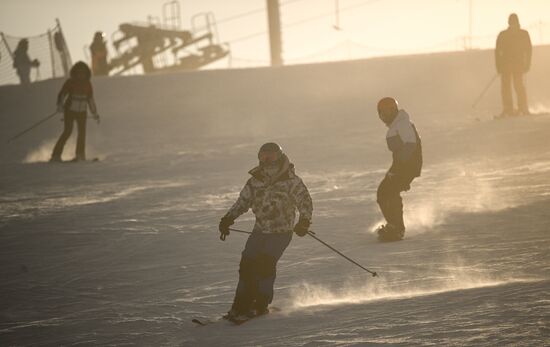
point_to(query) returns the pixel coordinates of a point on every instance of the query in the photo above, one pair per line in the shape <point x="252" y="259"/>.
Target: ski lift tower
<point x="274" y="23"/>
<point x="164" y="46"/>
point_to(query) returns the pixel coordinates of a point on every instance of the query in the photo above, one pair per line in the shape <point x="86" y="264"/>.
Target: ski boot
<point x="55" y="159"/>
<point x="238" y="317"/>
<point x="505" y="114"/>
<point x="260" y="307"/>
<point x="78" y="158"/>
<point x="389" y="233"/>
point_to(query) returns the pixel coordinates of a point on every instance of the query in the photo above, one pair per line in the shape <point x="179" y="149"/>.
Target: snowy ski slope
<point x="126" y="251"/>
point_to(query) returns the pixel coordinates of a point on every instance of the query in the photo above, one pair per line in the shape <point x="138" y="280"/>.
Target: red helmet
<point x="388" y="108"/>
<point x="387" y="105"/>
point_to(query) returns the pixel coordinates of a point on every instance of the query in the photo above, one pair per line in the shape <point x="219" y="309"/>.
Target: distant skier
<point x="23" y="63"/>
<point x="98" y="50"/>
<point x="513" y="59"/>
<point x="274" y="192"/>
<point x="406" y="147"/>
<point x="73" y="100"/>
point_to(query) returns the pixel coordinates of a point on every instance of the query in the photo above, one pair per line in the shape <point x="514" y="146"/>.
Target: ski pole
<point x="32" y="127"/>
<point x="240" y="231"/>
<point x="484" y="91"/>
<point x="223" y="236"/>
<point x="312" y="234"/>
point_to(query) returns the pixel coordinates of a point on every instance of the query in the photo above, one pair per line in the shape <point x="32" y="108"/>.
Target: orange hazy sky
<point x="368" y="27"/>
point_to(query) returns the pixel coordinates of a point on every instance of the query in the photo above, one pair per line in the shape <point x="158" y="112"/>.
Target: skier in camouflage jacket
<point x="274" y="192"/>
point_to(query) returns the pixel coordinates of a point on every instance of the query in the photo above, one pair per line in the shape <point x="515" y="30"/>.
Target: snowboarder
<point x="406" y="147"/>
<point x="23" y="63"/>
<point x="513" y="59"/>
<point x="274" y="192"/>
<point x="73" y="100"/>
<point x="98" y="49"/>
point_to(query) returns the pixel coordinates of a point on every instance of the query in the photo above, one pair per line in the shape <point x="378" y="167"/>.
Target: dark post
<point x="52" y="56"/>
<point x="63" y="50"/>
<point x="6" y="44"/>
<point x="274" y="23"/>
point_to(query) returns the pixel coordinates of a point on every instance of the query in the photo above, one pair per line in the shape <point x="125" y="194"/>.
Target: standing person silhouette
<point x="73" y="100"/>
<point x="98" y="50"/>
<point x="513" y="59"/>
<point x="23" y="63"/>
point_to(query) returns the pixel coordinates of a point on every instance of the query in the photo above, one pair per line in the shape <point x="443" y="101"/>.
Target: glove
<point x="302" y="227"/>
<point x="36" y="63"/>
<point x="225" y="223"/>
<point x="95" y="116"/>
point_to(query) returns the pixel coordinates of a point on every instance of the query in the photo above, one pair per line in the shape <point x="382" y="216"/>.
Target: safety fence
<point x="49" y="49"/>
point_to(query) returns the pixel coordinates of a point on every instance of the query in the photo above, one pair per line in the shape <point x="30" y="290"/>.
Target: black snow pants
<point x="257" y="270"/>
<point x="506" y="91"/>
<point x="70" y="118"/>
<point x="389" y="198"/>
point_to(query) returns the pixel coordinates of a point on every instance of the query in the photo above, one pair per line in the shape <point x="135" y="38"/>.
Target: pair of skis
<point x="237" y="322"/>
<point x="201" y="322"/>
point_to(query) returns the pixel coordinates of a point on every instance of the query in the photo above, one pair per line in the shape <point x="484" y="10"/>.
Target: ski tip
<point x="196" y="321"/>
<point x="204" y="322"/>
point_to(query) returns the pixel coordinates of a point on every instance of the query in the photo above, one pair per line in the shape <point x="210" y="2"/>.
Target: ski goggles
<point x="269" y="157"/>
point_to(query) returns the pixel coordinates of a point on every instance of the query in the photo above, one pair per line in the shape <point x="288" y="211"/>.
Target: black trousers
<point x="506" y="79"/>
<point x="257" y="270"/>
<point x="389" y="198"/>
<point x="70" y="118"/>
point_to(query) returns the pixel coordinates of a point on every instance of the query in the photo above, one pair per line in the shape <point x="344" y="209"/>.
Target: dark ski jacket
<point x="406" y="147"/>
<point x="513" y="51"/>
<point x="98" y="50"/>
<point x="274" y="202"/>
<point x="21" y="61"/>
<point x="76" y="94"/>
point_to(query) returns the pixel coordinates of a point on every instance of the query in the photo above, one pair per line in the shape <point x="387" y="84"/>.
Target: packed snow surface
<point x="125" y="251"/>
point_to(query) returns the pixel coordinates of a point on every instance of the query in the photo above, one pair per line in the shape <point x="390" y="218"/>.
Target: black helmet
<point x="270" y="153"/>
<point x="99" y="35"/>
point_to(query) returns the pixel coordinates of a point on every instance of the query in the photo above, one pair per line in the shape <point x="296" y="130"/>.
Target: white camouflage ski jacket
<point x="274" y="202"/>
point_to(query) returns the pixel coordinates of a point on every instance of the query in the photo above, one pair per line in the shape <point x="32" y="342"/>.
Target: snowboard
<point x="389" y="238"/>
<point x="73" y="161"/>
<point x="205" y="322"/>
